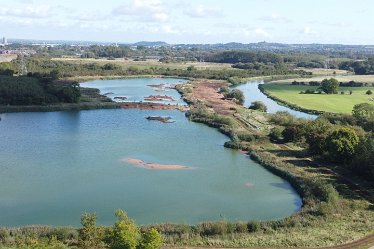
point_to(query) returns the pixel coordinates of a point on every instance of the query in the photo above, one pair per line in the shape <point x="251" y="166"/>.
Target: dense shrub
<point x="151" y="239"/>
<point x="316" y="132"/>
<point x="259" y="106"/>
<point x="125" y="234"/>
<point x="341" y="144"/>
<point x="236" y="94"/>
<point x="283" y="118"/>
<point x="276" y="134"/>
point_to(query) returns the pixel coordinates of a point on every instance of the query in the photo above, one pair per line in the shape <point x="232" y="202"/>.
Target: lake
<point x="57" y="165"/>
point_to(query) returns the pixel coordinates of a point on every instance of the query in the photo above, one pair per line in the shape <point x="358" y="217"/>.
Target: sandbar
<point x="154" y="166"/>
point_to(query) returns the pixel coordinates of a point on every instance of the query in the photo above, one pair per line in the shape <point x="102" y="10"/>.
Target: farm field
<point x="337" y="103"/>
<point x="341" y="78"/>
<point x="147" y="63"/>
<point x="324" y="72"/>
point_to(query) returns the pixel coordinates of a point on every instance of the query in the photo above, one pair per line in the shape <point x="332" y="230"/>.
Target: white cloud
<point x="203" y="12"/>
<point x="309" y="31"/>
<point x="276" y="18"/>
<point x="261" y="32"/>
<point x="42" y="11"/>
<point x="255" y="33"/>
<point x="149" y="10"/>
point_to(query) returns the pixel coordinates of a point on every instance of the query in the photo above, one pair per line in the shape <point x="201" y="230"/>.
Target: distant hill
<point x="260" y="46"/>
<point x="151" y="44"/>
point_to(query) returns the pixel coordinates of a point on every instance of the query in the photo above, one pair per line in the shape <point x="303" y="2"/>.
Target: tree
<point x="363" y="111"/>
<point x="363" y="162"/>
<point x="258" y="105"/>
<point x="71" y="93"/>
<point x="191" y="68"/>
<point x="55" y="74"/>
<point x="7" y="72"/>
<point x="330" y="86"/>
<point x="125" y="233"/>
<point x="341" y="144"/>
<point x="151" y="239"/>
<point x="236" y="94"/>
<point x="316" y="133"/>
<point x="291" y="133"/>
<point x="89" y="236"/>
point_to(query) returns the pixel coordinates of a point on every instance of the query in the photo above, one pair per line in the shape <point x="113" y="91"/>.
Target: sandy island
<point x="155" y="166"/>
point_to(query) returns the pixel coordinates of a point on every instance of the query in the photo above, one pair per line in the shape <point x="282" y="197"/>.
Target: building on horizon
<point x="5" y="41"/>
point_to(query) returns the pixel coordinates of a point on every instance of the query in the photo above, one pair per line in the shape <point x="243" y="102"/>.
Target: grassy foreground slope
<point x="338" y="103"/>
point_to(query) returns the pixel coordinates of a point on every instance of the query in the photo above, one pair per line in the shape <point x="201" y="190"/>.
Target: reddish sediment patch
<point x="154" y="166"/>
<point x="157" y="86"/>
<point x="159" y="98"/>
<point x="152" y="106"/>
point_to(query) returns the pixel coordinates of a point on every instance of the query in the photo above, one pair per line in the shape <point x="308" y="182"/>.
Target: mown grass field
<point x="342" y="78"/>
<point x="338" y="103"/>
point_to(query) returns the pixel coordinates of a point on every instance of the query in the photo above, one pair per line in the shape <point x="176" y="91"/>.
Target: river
<point x="252" y="93"/>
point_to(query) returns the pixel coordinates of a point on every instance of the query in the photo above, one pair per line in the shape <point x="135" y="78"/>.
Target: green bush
<point x="125" y="234"/>
<point x="253" y="226"/>
<point x="151" y="239"/>
<point x="236" y="94"/>
<point x="341" y="144"/>
<point x="259" y="106"/>
<point x="283" y="118"/>
<point x="276" y="134"/>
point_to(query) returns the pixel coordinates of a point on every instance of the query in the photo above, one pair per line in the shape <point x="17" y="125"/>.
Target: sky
<point x="190" y="21"/>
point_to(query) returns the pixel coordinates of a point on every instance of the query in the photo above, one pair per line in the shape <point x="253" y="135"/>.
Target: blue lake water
<point x="55" y="166"/>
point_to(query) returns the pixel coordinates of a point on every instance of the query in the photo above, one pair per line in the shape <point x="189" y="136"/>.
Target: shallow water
<point x="136" y="89"/>
<point x="252" y="93"/>
<point x="57" y="165"/>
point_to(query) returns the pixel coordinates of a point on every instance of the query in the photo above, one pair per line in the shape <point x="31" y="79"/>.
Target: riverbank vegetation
<point x="124" y="234"/>
<point x="37" y="89"/>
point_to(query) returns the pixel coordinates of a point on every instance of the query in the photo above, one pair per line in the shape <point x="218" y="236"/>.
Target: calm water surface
<point x="252" y="93"/>
<point x="136" y="89"/>
<point x="55" y="166"/>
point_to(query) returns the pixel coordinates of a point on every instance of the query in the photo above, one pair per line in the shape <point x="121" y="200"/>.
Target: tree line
<point x="37" y="89"/>
<point x="347" y="140"/>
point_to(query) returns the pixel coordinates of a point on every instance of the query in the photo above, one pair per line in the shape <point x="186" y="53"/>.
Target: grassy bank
<point x="337" y="103"/>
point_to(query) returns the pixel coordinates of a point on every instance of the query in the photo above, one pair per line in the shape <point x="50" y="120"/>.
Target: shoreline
<point x="60" y="107"/>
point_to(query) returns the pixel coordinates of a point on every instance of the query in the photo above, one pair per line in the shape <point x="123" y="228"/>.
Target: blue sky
<point x="190" y="21"/>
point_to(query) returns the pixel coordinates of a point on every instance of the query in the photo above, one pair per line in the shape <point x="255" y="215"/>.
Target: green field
<point x="338" y="103"/>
